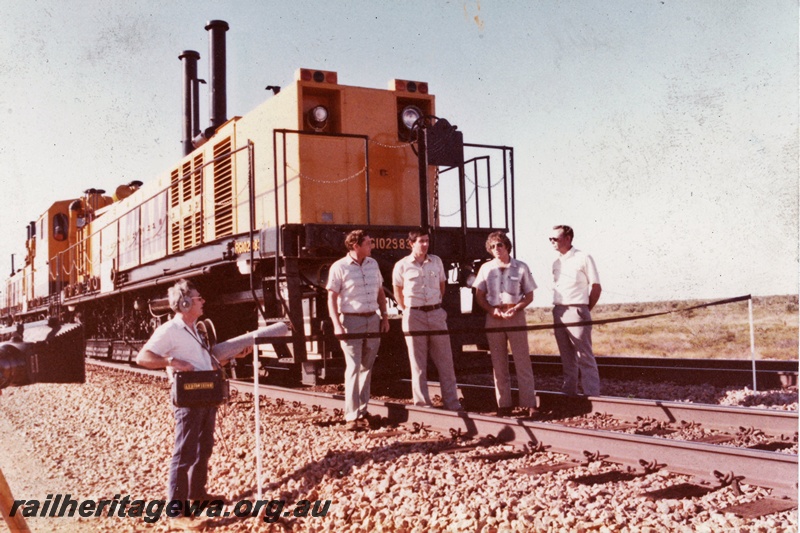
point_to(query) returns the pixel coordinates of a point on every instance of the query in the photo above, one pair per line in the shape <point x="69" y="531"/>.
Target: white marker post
<point x="752" y="342"/>
<point x="224" y="350"/>
<point x="258" y="420"/>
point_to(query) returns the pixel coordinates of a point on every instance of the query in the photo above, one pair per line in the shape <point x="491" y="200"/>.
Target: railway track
<point x="712" y="417"/>
<point x="770" y="374"/>
<point x="713" y="464"/>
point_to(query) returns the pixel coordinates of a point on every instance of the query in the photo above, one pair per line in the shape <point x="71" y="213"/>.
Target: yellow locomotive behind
<point x="352" y="168"/>
<point x="255" y="211"/>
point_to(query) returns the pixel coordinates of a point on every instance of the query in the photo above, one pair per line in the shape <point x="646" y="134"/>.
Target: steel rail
<point x="723" y="372"/>
<point x="722" y="418"/>
<point x="717" y="417"/>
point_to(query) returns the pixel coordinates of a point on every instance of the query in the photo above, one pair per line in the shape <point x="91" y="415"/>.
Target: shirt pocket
<point x="412" y="275"/>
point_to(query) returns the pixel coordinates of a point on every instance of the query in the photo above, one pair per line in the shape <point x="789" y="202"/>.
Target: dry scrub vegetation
<point x="719" y="332"/>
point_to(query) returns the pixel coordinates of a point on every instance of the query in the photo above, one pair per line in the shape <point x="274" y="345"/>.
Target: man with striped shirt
<point x="504" y="288"/>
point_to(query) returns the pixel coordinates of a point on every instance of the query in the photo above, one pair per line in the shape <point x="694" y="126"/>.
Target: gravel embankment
<point x="113" y="436"/>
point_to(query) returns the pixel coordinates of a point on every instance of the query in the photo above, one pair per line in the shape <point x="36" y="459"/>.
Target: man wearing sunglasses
<point x="576" y="289"/>
<point x="504" y="288"/>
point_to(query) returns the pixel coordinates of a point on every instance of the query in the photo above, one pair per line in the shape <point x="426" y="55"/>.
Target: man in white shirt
<point x="504" y="288"/>
<point x="419" y="282"/>
<point x="355" y="295"/>
<point x="576" y="289"/>
<point x="177" y="346"/>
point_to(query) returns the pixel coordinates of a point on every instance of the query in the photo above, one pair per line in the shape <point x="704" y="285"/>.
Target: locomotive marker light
<point x="409" y="86"/>
<point x="318" y="76"/>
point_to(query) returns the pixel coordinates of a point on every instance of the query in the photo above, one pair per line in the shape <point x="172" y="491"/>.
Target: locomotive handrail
<point x="283" y="132"/>
<point x="251" y="196"/>
<point x="509" y="200"/>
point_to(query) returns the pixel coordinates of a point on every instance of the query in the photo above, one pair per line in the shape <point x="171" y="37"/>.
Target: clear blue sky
<point x="664" y="132"/>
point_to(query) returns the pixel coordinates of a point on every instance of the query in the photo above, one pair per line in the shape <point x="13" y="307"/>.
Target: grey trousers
<point x="437" y="347"/>
<point x="359" y="356"/>
<point x="498" y="348"/>
<point x="575" y="345"/>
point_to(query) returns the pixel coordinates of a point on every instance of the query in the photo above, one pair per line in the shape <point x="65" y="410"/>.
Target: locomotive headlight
<point x="409" y="115"/>
<point x="318" y="117"/>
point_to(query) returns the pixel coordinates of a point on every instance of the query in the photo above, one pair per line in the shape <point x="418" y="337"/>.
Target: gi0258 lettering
<point x="390" y="243"/>
<point x="242" y="247"/>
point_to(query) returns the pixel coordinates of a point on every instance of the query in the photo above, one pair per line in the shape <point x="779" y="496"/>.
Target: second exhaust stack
<point x="217" y="98"/>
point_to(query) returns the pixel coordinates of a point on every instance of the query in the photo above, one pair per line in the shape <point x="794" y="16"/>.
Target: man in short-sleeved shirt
<point x="504" y="288"/>
<point x="576" y="290"/>
<point x="174" y="339"/>
<point x="355" y="295"/>
<point x="177" y="346"/>
<point x="419" y="282"/>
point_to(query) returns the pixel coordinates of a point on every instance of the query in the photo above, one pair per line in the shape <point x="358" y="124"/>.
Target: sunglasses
<point x="497" y="245"/>
<point x="554" y="239"/>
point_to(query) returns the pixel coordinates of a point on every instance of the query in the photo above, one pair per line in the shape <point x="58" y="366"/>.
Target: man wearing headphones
<point x="177" y="346"/>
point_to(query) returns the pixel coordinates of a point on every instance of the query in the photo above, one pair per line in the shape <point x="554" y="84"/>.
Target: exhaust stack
<point x="191" y="107"/>
<point x="217" y="97"/>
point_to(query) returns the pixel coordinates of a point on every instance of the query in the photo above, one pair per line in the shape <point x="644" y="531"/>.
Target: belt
<point x="359" y="314"/>
<point x="505" y="307"/>
<point x="426" y="308"/>
<point x="571" y="305"/>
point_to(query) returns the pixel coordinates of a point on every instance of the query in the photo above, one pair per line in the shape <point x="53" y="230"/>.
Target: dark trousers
<point x="194" y="442"/>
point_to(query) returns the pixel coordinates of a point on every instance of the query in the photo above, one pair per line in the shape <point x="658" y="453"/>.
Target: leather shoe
<point x="351" y="425"/>
<point x="504" y="411"/>
<point x="530" y="412"/>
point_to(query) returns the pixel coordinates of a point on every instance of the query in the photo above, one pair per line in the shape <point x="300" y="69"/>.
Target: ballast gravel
<point x="113" y="436"/>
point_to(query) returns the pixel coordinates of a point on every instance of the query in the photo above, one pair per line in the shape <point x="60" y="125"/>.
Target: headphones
<point x="184" y="302"/>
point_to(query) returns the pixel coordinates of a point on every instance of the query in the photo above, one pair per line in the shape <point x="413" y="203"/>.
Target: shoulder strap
<point x="208" y="351"/>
